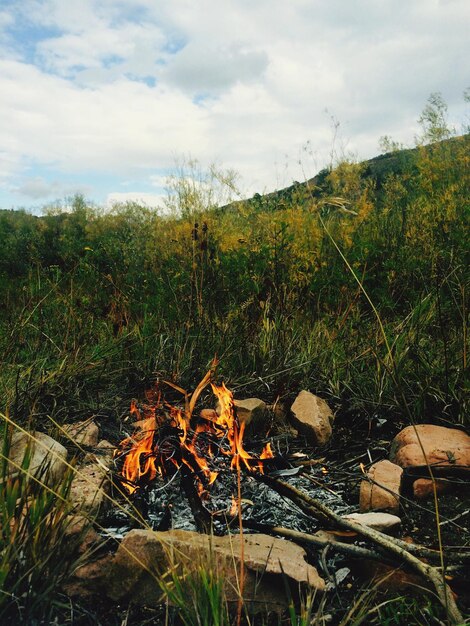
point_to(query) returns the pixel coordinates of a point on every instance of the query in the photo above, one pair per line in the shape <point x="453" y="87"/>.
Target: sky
<point x="103" y="97"/>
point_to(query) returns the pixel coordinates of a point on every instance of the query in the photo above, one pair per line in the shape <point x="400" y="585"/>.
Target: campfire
<point x="169" y="438"/>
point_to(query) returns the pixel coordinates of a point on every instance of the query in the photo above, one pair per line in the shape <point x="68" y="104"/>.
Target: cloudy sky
<point x="101" y="96"/>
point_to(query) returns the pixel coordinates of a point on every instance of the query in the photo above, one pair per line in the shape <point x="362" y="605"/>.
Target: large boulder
<point x="269" y="562"/>
<point x="442" y="446"/>
<point x="447" y="450"/>
<point x="382" y="491"/>
<point x="312" y="417"/>
<point x="47" y="458"/>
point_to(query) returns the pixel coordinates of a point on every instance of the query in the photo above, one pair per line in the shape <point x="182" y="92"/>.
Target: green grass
<point x="357" y="289"/>
<point x="36" y="553"/>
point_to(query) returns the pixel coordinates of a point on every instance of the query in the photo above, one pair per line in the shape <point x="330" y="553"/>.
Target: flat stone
<point x="269" y="563"/>
<point x="386" y="497"/>
<point x="84" y="433"/>
<point x="441" y="445"/>
<point x="47" y="455"/>
<point x="312" y="417"/>
<point x="377" y="521"/>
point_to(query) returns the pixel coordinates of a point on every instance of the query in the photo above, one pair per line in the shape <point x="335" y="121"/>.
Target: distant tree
<point x="433" y="120"/>
<point x="191" y="190"/>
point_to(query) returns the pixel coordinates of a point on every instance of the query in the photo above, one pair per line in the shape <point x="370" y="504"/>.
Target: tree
<point x="191" y="190"/>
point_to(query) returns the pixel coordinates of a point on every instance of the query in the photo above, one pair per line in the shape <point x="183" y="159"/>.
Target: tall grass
<point x="115" y="299"/>
<point x="36" y="553"/>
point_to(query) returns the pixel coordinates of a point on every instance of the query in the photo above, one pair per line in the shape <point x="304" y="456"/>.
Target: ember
<point x="167" y="437"/>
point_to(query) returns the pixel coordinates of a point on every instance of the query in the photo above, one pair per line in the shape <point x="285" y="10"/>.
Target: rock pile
<point x="414" y="451"/>
<point x="46" y="459"/>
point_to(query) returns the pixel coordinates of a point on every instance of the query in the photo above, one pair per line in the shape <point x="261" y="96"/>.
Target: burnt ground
<point x="334" y="480"/>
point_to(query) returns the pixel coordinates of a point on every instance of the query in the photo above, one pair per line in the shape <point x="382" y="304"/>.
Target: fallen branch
<point x="350" y="549"/>
<point x="399" y="550"/>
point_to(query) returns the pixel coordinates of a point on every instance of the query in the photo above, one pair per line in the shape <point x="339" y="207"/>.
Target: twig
<point x="397" y="548"/>
<point x="350" y="549"/>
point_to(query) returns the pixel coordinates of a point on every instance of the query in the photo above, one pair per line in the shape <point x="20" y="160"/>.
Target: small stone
<point x="389" y="577"/>
<point x="89" y="488"/>
<point x="422" y="487"/>
<point x="46" y="455"/>
<point x="377" y="521"/>
<point x="103" y="454"/>
<point x="312" y="417"/>
<point x="83" y="433"/>
<point x="208" y="414"/>
<point x="324" y="535"/>
<point x="249" y="411"/>
<point x="373" y="497"/>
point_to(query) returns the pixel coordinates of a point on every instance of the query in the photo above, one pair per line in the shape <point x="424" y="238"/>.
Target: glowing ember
<point x="166" y="438"/>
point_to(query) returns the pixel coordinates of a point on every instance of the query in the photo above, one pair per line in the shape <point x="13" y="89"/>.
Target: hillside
<point x="97" y="301"/>
<point x="376" y="170"/>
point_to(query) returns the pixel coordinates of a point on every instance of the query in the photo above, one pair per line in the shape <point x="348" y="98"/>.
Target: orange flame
<point x="145" y="458"/>
<point x="140" y="459"/>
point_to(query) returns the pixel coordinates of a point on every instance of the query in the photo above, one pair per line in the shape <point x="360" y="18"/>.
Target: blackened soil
<point x="334" y="479"/>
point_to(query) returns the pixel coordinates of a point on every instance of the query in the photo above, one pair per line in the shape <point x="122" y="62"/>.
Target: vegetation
<point x="97" y="304"/>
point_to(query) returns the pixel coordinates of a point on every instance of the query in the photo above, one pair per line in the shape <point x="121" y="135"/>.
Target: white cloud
<point x="6" y="19"/>
<point x="121" y="88"/>
<point x="202" y="68"/>
<point x="157" y="180"/>
<point x="38" y="188"/>
<point x="152" y="200"/>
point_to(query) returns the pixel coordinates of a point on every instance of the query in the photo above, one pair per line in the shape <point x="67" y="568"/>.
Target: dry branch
<point x="399" y="550"/>
<point x="299" y="537"/>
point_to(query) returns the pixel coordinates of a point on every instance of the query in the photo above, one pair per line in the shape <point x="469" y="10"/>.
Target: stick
<point x="201" y="515"/>
<point x="393" y="546"/>
<point x="298" y="537"/>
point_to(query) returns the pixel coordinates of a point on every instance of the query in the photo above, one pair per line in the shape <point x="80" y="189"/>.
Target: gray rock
<point x="47" y="456"/>
<point x="375" y="520"/>
<point x="84" y="433"/>
<point x="312" y="417"/>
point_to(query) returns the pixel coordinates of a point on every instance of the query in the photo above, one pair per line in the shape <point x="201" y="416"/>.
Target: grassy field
<point x="354" y="284"/>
